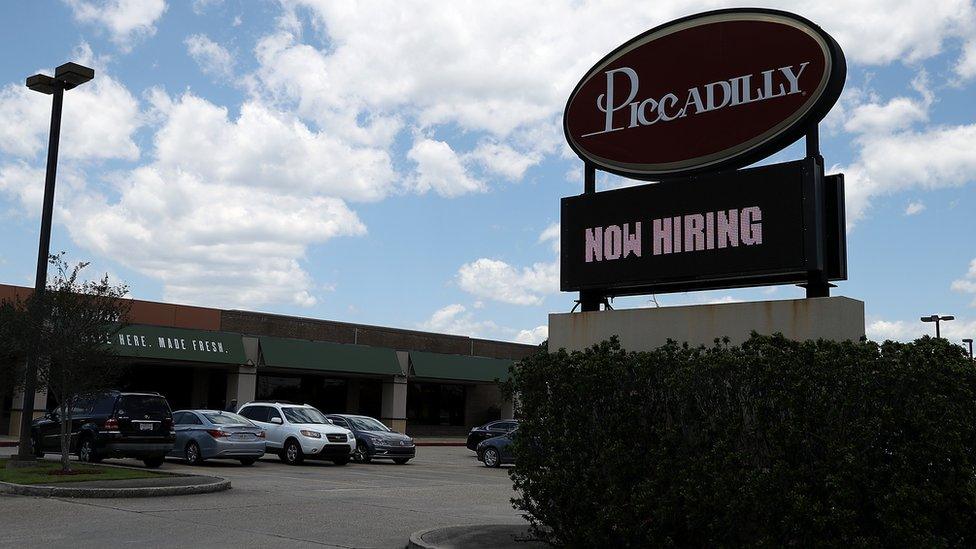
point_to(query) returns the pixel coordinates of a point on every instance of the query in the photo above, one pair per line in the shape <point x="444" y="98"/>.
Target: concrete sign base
<point x="835" y="318"/>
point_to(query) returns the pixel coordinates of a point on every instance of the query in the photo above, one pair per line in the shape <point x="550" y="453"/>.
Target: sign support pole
<point x="590" y="300"/>
<point x="817" y="284"/>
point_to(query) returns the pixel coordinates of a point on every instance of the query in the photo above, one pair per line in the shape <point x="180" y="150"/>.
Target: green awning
<point x="142" y="341"/>
<point x="332" y="357"/>
<point x="459" y="367"/>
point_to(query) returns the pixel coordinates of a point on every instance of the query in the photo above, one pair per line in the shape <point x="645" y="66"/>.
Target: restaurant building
<point x="419" y="382"/>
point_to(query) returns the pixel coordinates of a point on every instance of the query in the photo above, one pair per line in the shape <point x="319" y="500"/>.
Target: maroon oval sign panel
<point x="712" y="91"/>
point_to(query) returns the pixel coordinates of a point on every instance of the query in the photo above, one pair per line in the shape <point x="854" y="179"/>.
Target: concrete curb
<point x="218" y="485"/>
<point x="417" y="541"/>
<point x="440" y="443"/>
<point x="484" y="535"/>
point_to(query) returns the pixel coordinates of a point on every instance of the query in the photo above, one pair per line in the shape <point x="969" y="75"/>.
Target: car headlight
<point x="349" y="436"/>
<point x="311" y="434"/>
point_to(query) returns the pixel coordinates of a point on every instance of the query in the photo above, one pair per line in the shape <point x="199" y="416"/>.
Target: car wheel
<point x="36" y="447"/>
<point x="248" y="461"/>
<point x="361" y="453"/>
<point x="293" y="453"/>
<point x="192" y="453"/>
<point x="400" y="461"/>
<point x="153" y="462"/>
<point x="86" y="451"/>
<point x="341" y="460"/>
<point x="491" y="457"/>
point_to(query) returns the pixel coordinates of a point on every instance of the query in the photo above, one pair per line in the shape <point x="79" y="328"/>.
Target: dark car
<point x="375" y="440"/>
<point x="111" y="424"/>
<point x="497" y="450"/>
<point x="489" y="430"/>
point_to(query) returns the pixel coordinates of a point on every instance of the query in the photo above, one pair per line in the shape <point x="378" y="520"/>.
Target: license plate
<point x="145" y="426"/>
<point x="238" y="437"/>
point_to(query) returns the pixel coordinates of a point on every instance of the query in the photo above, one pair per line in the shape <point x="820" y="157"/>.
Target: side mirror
<point x="276" y="420"/>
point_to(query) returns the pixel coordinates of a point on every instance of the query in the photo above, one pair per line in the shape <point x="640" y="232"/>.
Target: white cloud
<point x="914" y="208"/>
<point x="934" y="158"/>
<point x="99" y="121"/>
<point x="201" y="6"/>
<point x="503" y="160"/>
<point x="225" y="210"/>
<point x="126" y="21"/>
<point x="266" y="148"/>
<point x="212" y="58"/>
<point x="899" y="113"/>
<point x="967" y="284"/>
<point x="966" y="66"/>
<point x="440" y="169"/>
<point x="907" y="330"/>
<point x="534" y="336"/>
<point x="552" y="234"/>
<point x="497" y="280"/>
<point x="497" y="67"/>
<point x="454" y="319"/>
<point x="210" y="243"/>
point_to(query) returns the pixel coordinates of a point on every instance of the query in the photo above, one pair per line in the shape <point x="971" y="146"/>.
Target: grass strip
<point x="42" y="473"/>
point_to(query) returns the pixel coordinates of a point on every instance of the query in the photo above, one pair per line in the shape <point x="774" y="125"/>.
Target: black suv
<point x="111" y="424"/>
<point x="490" y="430"/>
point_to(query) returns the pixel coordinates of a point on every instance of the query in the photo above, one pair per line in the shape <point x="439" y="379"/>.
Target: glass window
<point x="227" y="418"/>
<point x="273" y="413"/>
<point x="81" y="405"/>
<point x="304" y="415"/>
<point x="178" y="417"/>
<point x="341" y="422"/>
<point x="193" y="419"/>
<point x="104" y="405"/>
<point x="257" y="413"/>
<point x="368" y="424"/>
<point x="143" y="405"/>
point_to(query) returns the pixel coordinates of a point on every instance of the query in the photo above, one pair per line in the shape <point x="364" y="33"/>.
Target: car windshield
<point x="138" y="405"/>
<point x="227" y="418"/>
<point x="367" y="424"/>
<point x="304" y="415"/>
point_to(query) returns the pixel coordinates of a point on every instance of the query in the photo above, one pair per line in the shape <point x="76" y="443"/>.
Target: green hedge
<point x="770" y="443"/>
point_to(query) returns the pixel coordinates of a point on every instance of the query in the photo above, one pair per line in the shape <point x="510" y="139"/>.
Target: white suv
<point x="299" y="431"/>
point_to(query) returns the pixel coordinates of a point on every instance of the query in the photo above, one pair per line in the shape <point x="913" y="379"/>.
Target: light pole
<point x="66" y="77"/>
<point x="969" y="341"/>
<point x="937" y="319"/>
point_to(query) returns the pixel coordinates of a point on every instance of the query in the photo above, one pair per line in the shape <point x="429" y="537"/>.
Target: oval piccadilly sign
<point x="709" y="92"/>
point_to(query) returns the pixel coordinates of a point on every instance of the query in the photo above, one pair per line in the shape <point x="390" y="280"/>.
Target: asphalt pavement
<point x="317" y="504"/>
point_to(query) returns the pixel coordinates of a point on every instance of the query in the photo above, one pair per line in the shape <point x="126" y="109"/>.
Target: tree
<point x="12" y="350"/>
<point x="71" y="326"/>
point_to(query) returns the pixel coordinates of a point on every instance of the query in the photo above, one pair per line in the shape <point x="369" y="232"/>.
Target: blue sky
<point x="401" y="163"/>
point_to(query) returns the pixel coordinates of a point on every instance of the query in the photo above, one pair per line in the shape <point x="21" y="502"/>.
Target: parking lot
<point x="316" y="504"/>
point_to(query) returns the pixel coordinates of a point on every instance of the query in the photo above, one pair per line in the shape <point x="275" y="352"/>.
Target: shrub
<point x="770" y="443"/>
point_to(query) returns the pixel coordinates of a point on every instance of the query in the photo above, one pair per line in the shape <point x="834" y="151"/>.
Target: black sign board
<point x="749" y="227"/>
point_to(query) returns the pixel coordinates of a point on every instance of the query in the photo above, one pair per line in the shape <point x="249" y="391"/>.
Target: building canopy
<point x="325" y="356"/>
<point x="159" y="342"/>
<point x="459" y="367"/>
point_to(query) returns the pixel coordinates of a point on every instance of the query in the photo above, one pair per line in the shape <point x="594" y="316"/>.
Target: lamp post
<point x="969" y="341"/>
<point x="937" y="319"/>
<point x="66" y="77"/>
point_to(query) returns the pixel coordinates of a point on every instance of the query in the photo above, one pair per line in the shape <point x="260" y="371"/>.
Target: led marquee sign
<point x="712" y="91"/>
<point x="687" y="104"/>
<point x="738" y="229"/>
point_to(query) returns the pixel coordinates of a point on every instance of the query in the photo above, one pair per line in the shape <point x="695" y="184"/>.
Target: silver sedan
<point x="210" y="434"/>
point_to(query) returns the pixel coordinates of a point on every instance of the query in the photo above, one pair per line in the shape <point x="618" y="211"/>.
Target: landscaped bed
<point x="49" y="472"/>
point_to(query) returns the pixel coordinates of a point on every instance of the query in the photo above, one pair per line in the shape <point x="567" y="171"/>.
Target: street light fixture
<point x="937" y="319"/>
<point x="969" y="341"/>
<point x="66" y="77"/>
